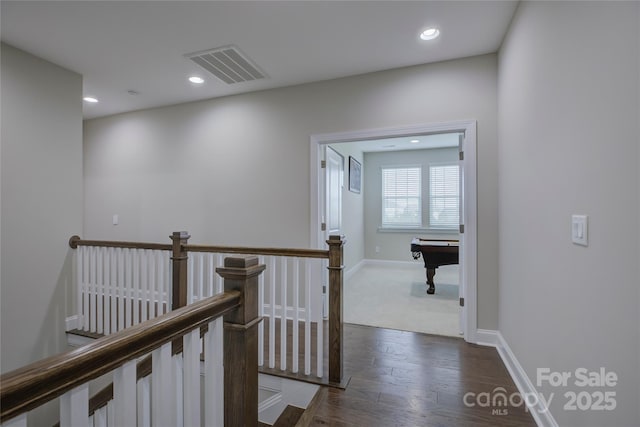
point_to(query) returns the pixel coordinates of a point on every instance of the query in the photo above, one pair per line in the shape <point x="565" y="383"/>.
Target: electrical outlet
<point x="377" y="249"/>
<point x="580" y="229"/>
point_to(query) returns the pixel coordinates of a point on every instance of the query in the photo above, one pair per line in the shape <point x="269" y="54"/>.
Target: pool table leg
<point x="431" y="286"/>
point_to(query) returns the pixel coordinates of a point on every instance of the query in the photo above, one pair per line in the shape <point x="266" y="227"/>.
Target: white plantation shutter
<point x="443" y="196"/>
<point x="401" y="197"/>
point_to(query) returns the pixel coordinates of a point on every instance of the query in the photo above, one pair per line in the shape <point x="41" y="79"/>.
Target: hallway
<point x="409" y="379"/>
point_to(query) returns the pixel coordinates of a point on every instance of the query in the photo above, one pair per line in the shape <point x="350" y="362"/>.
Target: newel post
<point x="179" y="260"/>
<point x="336" y="326"/>
<point x="241" y="342"/>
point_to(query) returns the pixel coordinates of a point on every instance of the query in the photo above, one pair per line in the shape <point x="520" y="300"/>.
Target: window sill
<point x="416" y="230"/>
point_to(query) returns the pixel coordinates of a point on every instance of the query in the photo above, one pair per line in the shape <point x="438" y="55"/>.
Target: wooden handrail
<point x="291" y="252"/>
<point x="31" y="386"/>
<point x="76" y="241"/>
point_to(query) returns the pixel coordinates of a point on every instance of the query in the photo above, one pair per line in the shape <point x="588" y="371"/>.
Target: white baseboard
<point x="381" y="263"/>
<point x="72" y="322"/>
<point x="491" y="338"/>
<point x="389" y="263"/>
<point x="353" y="270"/>
<point x="541" y="415"/>
<point x="486" y="337"/>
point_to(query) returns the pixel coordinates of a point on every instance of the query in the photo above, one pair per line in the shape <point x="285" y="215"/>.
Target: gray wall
<point x="395" y="245"/>
<point x="41" y="205"/>
<point x="568" y="121"/>
<point x="235" y="170"/>
<point x="352" y="209"/>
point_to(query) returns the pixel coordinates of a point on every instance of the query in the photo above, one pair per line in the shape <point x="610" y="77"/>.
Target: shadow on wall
<point x="48" y="343"/>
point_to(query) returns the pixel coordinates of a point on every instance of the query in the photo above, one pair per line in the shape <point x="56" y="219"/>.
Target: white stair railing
<point x="172" y="395"/>
<point x="118" y="287"/>
<point x="121" y="284"/>
<point x="289" y="300"/>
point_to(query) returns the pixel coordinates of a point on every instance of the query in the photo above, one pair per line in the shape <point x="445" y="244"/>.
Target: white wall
<point x="568" y="121"/>
<point x="41" y="193"/>
<point x="352" y="209"/>
<point x="235" y="170"/>
<point x="395" y="246"/>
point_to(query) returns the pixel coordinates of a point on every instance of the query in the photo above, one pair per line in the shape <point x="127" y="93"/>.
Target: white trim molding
<point x="72" y="322"/>
<point x="487" y="337"/>
<point x="540" y="413"/>
<point x="353" y="270"/>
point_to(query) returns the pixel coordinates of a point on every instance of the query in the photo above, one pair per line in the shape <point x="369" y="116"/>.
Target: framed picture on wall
<point x="355" y="175"/>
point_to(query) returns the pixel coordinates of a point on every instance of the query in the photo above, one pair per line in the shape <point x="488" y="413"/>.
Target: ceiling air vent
<point x="228" y="64"/>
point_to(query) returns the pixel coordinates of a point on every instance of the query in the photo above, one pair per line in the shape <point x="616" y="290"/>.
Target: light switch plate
<point x="580" y="230"/>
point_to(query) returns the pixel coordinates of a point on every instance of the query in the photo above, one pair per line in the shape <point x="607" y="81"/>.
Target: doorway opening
<point x="379" y="232"/>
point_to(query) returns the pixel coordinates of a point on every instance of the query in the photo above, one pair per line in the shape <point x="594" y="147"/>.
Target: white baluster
<point x="166" y="288"/>
<point x="106" y="293"/>
<point x="111" y="414"/>
<point x="200" y="285"/>
<point x="86" y="262"/>
<point x="128" y="255"/>
<point x="100" y="291"/>
<point x="80" y="260"/>
<point x="191" y="378"/>
<point x="214" y="375"/>
<point x="162" y="395"/>
<point x="135" y="291"/>
<point x="114" y="289"/>
<point x="144" y="402"/>
<point x="272" y="319"/>
<point x="162" y="268"/>
<point x="261" y="314"/>
<point x="190" y="280"/>
<point x="74" y="407"/>
<point x="211" y="273"/>
<point x="320" y="326"/>
<point x="296" y="309"/>
<point x="121" y="296"/>
<point x="153" y="284"/>
<point x="144" y="285"/>
<point x="124" y="394"/>
<point x="92" y="289"/>
<point x="307" y="320"/>
<point x="178" y="393"/>
<point x="283" y="313"/>
<point x="100" y="417"/>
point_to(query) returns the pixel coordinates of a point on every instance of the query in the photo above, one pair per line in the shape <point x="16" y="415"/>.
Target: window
<point x="401" y="197"/>
<point x="444" y="204"/>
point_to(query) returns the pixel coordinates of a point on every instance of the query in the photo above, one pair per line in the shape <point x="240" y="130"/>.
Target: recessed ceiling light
<point x="414" y="141"/>
<point x="430" y="34"/>
<point x="197" y="80"/>
<point x="90" y="99"/>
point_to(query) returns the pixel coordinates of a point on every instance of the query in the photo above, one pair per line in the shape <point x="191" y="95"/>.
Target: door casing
<point x="469" y="198"/>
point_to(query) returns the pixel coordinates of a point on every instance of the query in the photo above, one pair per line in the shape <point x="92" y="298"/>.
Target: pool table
<point x="435" y="253"/>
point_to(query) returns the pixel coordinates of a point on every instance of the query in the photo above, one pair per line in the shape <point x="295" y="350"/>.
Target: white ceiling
<point x="140" y="45"/>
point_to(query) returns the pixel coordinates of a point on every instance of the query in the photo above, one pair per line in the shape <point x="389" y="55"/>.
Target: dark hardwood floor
<point x="409" y="379"/>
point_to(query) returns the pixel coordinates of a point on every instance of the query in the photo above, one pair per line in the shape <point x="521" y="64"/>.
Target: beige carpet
<point x="396" y="298"/>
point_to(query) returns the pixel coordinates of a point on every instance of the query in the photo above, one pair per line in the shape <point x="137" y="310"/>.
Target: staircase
<point x="281" y="401"/>
<point x="289" y="417"/>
